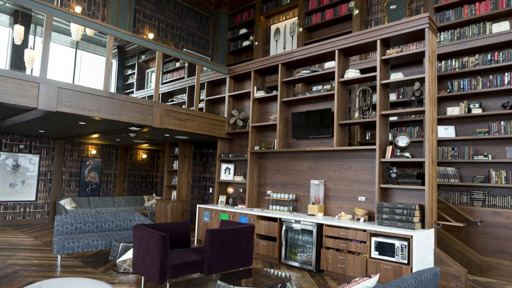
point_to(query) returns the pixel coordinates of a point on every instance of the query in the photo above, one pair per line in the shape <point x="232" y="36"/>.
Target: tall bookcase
<point x="314" y="79"/>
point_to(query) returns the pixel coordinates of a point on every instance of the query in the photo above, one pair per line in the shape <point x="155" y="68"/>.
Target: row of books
<point x="500" y="176"/>
<point x="455" y="153"/>
<point x="475" y="61"/>
<point x="400" y="93"/>
<point x="327" y="14"/>
<point x="470" y="10"/>
<point x="500" y="127"/>
<point x="448" y="174"/>
<point x="173" y="75"/>
<point x="467" y="32"/>
<point x="269" y="5"/>
<point x="312" y="4"/>
<point x="242" y="16"/>
<point x="403" y="48"/>
<point x="477" y="199"/>
<point x="414" y="132"/>
<point x="400" y="215"/>
<point x="480" y="82"/>
<point x="239" y="43"/>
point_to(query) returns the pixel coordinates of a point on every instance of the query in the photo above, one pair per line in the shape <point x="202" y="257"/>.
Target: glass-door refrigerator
<point x="301" y="243"/>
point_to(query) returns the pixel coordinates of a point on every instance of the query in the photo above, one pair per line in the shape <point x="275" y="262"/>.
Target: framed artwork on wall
<point x="18" y="176"/>
<point x="90" y="177"/>
<point x="227" y="171"/>
<point x="283" y="36"/>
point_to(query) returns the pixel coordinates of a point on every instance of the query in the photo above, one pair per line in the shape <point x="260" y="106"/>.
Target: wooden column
<point x="58" y="164"/>
<point x="121" y="163"/>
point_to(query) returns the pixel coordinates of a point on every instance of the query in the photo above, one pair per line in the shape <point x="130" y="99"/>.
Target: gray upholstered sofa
<point x="426" y="278"/>
<point x="105" y="204"/>
<point x="93" y="231"/>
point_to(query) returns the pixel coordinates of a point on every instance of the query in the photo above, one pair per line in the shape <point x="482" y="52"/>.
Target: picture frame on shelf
<point x="19" y="174"/>
<point x="227" y="171"/>
<point x="283" y="36"/>
<point x="445" y="131"/>
<point x="150" y="78"/>
<point x="222" y="200"/>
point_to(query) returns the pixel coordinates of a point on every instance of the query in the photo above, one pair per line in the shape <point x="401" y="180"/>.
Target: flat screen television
<point x="312" y="124"/>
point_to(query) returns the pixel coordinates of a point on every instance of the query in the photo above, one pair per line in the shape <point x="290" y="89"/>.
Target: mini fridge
<point x="301" y="244"/>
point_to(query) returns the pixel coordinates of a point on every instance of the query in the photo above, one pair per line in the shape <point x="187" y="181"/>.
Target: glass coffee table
<point x="244" y="278"/>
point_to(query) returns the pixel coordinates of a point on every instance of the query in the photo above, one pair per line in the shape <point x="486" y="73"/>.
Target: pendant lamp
<point x="18" y="34"/>
<point x="29" y="57"/>
<point x="76" y="31"/>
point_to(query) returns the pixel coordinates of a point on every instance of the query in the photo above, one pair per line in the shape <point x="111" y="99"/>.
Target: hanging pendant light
<point x="29" y="57"/>
<point x="89" y="31"/>
<point x="18" y="34"/>
<point x="76" y="31"/>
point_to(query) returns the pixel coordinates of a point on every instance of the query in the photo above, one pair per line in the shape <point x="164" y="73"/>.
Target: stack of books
<point x="400" y="215"/>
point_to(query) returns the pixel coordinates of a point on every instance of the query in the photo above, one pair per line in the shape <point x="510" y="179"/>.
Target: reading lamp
<point x="232" y="199"/>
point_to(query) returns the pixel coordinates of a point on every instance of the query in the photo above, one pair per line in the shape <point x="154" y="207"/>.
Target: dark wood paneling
<point x="452" y="273"/>
<point x="192" y="121"/>
<point x="87" y="104"/>
<point x="18" y="92"/>
<point x="341" y="171"/>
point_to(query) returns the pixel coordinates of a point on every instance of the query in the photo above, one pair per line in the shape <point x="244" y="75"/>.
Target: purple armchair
<point x="162" y="251"/>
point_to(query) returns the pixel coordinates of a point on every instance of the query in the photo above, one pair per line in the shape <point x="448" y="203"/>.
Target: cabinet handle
<point x="341" y="257"/>
<point x="342" y="266"/>
<point x="387" y="267"/>
<point x="343" y="245"/>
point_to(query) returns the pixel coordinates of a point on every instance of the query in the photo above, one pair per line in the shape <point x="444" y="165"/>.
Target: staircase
<point x="463" y="267"/>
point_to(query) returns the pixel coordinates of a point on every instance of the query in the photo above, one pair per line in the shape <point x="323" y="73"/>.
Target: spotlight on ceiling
<point x="134" y="128"/>
<point x="81" y="123"/>
<point x="181" y="137"/>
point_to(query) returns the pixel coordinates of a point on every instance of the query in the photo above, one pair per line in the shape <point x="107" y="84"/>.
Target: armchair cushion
<point x="185" y="262"/>
<point x="228" y="247"/>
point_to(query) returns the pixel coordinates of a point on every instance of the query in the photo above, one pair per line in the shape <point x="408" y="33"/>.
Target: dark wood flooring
<point x="26" y="257"/>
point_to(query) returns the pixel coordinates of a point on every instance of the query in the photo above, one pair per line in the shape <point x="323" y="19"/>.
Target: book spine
<point x="398" y="211"/>
<point x="397" y="224"/>
<point x="398" y="205"/>
<point x="400" y="218"/>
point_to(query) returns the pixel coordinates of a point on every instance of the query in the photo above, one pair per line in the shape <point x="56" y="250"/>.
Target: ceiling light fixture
<point x="134" y="128"/>
<point x="95" y="135"/>
<point x="76" y="31"/>
<point x="144" y="156"/>
<point x="118" y="139"/>
<point x="41" y="131"/>
<point x="93" y="151"/>
<point x="29" y="56"/>
<point x="167" y="135"/>
<point x="89" y="32"/>
<point x="132" y="134"/>
<point x="81" y="123"/>
<point x="138" y="141"/>
<point x="18" y="34"/>
<point x="181" y="137"/>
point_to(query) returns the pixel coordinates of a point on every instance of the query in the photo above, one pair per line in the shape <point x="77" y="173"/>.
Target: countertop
<point x="327" y="220"/>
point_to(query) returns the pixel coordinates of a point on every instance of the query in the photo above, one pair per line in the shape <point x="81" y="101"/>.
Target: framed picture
<point x="445" y="131"/>
<point x="394" y="10"/>
<point x="222" y="200"/>
<point x="227" y="171"/>
<point x="150" y="78"/>
<point x="90" y="177"/>
<point x="283" y="36"/>
<point x="18" y="176"/>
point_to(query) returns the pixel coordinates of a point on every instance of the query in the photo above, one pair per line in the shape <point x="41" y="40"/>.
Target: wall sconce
<point x="142" y="155"/>
<point x="151" y="35"/>
<point x="92" y="151"/>
<point x="78" y="9"/>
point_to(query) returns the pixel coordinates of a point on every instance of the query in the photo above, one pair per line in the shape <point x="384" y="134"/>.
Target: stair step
<point x="482" y="282"/>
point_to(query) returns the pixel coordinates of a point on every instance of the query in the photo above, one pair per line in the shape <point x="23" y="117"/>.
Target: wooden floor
<point x="26" y="257"/>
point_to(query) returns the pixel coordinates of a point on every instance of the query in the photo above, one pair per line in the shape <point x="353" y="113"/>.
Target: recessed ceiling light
<point x="167" y="135"/>
<point x="118" y="139"/>
<point x="95" y="135"/>
<point x="181" y="137"/>
<point x="138" y="141"/>
<point x="81" y="123"/>
<point x="132" y="134"/>
<point x="134" y="128"/>
<point x="41" y="131"/>
<point x="96" y="118"/>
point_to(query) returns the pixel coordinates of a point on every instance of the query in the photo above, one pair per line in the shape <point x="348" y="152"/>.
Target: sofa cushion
<point x="96" y="222"/>
<point x="82" y="202"/>
<point x="102" y="202"/>
<point x="67" y="244"/>
<point x="362" y="282"/>
<point x="69" y="204"/>
<point x="126" y="201"/>
<point x="426" y="278"/>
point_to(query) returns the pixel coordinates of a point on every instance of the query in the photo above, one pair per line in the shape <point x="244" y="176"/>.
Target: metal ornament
<point x="364" y="101"/>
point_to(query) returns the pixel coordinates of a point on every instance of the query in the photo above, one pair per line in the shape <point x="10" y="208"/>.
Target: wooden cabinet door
<point x="266" y="248"/>
<point x="388" y="271"/>
<point x="201" y="225"/>
<point x="268" y="228"/>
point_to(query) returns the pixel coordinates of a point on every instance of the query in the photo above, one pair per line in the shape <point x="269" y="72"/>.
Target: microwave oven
<point x="390" y="249"/>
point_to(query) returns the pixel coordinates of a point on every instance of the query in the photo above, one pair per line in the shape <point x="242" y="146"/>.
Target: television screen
<point x="312" y="124"/>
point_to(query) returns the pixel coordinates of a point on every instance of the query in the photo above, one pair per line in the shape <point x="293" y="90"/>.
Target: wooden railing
<point x="451" y="221"/>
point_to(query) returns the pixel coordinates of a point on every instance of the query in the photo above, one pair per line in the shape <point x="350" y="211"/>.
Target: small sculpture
<point x="416" y="95"/>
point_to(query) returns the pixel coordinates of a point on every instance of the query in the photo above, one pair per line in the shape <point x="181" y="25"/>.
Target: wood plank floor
<point x="26" y="257"/>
